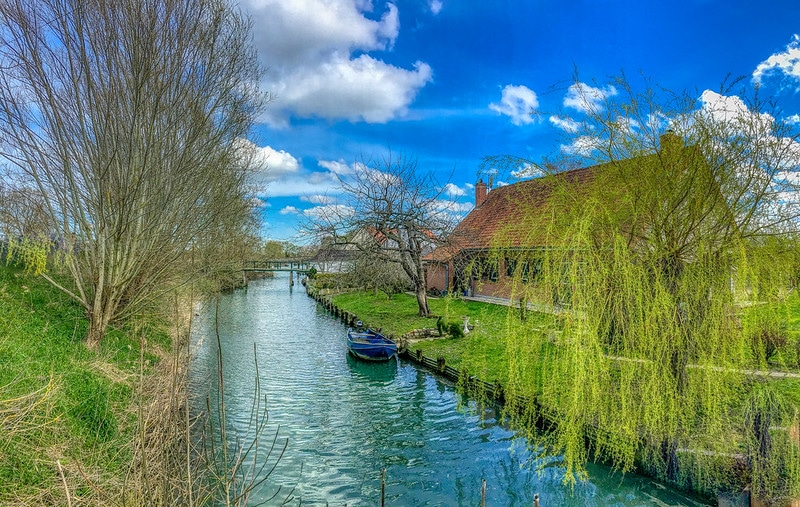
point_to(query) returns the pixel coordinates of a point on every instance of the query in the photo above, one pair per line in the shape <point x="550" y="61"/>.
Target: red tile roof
<point x="514" y="215"/>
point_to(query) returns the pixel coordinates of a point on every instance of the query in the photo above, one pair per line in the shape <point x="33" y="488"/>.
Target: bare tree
<point x="22" y="213"/>
<point x="127" y="116"/>
<point x="379" y="275"/>
<point x="392" y="213"/>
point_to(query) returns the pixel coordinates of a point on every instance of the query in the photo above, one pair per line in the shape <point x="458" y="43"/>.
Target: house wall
<point x="499" y="289"/>
<point x="436" y="277"/>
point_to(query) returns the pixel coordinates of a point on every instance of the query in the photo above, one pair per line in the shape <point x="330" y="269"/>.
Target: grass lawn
<point x="482" y="352"/>
<point x="59" y="400"/>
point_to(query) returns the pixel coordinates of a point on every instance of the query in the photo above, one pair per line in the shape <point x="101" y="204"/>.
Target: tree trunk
<point x="97" y="329"/>
<point x="422" y="299"/>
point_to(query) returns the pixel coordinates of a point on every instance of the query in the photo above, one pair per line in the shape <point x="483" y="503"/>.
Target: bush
<point x="770" y="338"/>
<point x="454" y="330"/>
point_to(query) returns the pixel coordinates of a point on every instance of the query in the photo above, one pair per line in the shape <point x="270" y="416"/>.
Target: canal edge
<point x="521" y="405"/>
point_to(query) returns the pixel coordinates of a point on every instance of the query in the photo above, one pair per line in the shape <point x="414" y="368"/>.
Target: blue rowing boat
<point x="370" y="345"/>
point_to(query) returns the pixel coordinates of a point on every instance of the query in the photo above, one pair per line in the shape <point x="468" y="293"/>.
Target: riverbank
<point x="454" y="359"/>
<point x="86" y="427"/>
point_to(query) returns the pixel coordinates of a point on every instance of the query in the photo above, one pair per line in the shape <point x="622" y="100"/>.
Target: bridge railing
<point x="277" y="265"/>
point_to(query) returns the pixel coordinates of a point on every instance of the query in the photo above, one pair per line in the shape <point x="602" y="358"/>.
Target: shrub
<point x="440" y="326"/>
<point x="454" y="330"/>
<point x="770" y="338"/>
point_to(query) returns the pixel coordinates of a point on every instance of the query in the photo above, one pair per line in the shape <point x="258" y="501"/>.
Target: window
<point x="485" y="270"/>
<point x="511" y="267"/>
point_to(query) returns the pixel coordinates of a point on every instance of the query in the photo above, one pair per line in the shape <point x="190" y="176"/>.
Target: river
<point x="343" y="421"/>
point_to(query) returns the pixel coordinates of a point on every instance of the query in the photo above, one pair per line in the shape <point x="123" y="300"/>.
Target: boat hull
<point x="370" y="345"/>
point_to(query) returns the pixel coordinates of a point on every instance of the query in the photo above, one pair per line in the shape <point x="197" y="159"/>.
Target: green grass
<point x="482" y="352"/>
<point x="59" y="400"/>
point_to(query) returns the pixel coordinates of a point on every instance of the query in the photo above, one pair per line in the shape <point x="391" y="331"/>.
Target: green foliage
<point x="28" y="254"/>
<point x="312" y="273"/>
<point x="326" y="281"/>
<point x="774" y="458"/>
<point x="454" y="330"/>
<point x="670" y="268"/>
<point x="58" y="400"/>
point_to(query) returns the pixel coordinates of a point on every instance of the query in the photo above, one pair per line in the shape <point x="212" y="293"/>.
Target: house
<point x="510" y="226"/>
<point x="502" y="219"/>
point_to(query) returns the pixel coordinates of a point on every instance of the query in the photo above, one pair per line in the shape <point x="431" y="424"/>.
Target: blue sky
<point x="450" y="82"/>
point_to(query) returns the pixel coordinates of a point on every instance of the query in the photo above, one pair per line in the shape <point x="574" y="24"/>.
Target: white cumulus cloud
<point x="289" y="210"/>
<point x="565" y="124"/>
<point x="329" y="212"/>
<point x="436" y="6"/>
<point x="786" y="63"/>
<point x="318" y="199"/>
<point x="454" y="190"/>
<point x="583" y="97"/>
<point x="517" y="102"/>
<point x="360" y="89"/>
<point x="321" y="62"/>
<point x="583" y="146"/>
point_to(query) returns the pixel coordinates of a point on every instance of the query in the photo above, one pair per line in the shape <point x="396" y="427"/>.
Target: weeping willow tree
<point x="667" y="264"/>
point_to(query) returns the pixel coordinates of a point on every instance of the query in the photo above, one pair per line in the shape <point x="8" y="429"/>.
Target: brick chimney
<point x="480" y="193"/>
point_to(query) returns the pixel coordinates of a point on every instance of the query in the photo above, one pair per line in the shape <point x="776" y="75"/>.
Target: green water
<point x="345" y="420"/>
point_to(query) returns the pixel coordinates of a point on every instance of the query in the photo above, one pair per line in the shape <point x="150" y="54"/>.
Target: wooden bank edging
<point x="495" y="392"/>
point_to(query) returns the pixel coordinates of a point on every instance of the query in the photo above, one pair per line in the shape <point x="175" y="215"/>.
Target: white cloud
<point x="278" y="162"/>
<point x="728" y="108"/>
<point x="340" y="167"/>
<point x="303" y="184"/>
<point x="318" y="199"/>
<point x="330" y="212"/>
<point x="336" y="166"/>
<point x="258" y="202"/>
<point x="290" y="210"/>
<point x="436" y="6"/>
<point x="793" y="119"/>
<point x="564" y="123"/>
<point x="583" y="145"/>
<point x="309" y="48"/>
<point x="733" y="113"/>
<point x="585" y="98"/>
<point x="786" y="62"/>
<point x="453" y="190"/>
<point x="517" y="102"/>
<point x="360" y="89"/>
<point x="791" y="177"/>
<point x="527" y="171"/>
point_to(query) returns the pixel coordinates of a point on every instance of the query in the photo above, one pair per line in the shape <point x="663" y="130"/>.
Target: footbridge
<point x="290" y="265"/>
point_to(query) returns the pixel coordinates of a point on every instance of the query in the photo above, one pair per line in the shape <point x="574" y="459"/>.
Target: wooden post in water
<point x="536" y="500"/>
<point x="483" y="492"/>
<point x="291" y="278"/>
<point x="383" y="487"/>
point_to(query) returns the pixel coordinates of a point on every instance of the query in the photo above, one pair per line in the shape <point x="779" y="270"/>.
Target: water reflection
<point x="345" y="420"/>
